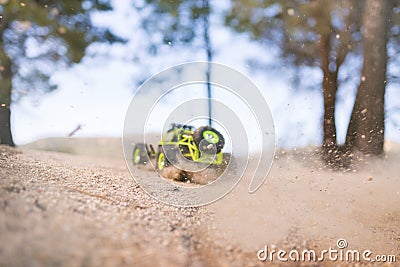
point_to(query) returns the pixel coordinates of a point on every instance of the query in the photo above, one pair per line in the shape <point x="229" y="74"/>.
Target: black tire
<point x="140" y="154"/>
<point x="168" y="154"/>
<point x="161" y="161"/>
<point x="211" y="136"/>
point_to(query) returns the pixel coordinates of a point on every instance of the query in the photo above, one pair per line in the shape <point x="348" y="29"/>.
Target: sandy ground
<point x="303" y="205"/>
<point x="67" y="210"/>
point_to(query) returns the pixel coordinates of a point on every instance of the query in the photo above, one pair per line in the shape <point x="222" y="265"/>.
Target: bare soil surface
<point x="72" y="210"/>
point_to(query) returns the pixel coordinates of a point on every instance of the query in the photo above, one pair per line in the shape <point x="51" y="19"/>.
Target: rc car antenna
<point x="207" y="43"/>
<point x="209" y="94"/>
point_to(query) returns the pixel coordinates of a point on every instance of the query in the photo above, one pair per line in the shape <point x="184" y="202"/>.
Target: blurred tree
<point x="36" y="36"/>
<point x="180" y="22"/>
<point x="175" y="22"/>
<point x="317" y="33"/>
<point x="308" y="33"/>
<point x="366" y="128"/>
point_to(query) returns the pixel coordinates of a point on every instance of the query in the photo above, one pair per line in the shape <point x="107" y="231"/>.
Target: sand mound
<point x="303" y="204"/>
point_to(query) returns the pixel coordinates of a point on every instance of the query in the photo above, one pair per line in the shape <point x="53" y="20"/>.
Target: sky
<point x="96" y="93"/>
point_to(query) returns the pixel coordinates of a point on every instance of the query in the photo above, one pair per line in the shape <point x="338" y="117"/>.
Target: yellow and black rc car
<point x="202" y="145"/>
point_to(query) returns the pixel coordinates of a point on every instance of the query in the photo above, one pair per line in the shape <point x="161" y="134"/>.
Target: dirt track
<point x="63" y="210"/>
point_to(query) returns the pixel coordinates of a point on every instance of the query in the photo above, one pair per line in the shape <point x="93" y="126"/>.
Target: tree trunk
<point x="329" y="89"/>
<point x="366" y="128"/>
<point x="5" y="97"/>
<point x="5" y="130"/>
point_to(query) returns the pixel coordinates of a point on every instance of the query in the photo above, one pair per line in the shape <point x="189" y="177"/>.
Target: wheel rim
<point x="161" y="162"/>
<point x="136" y="155"/>
<point x="210" y="137"/>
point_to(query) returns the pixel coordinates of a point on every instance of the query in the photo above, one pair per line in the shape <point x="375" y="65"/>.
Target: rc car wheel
<point x="140" y="154"/>
<point x="211" y="136"/>
<point x="162" y="161"/>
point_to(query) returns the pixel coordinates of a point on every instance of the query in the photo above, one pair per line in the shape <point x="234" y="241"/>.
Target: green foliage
<point x="174" y="21"/>
<point x="298" y="26"/>
<point x="38" y="36"/>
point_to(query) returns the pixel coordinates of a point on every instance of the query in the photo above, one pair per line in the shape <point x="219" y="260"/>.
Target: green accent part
<point x="186" y="140"/>
<point x="215" y="159"/>
<point x="220" y="156"/>
<point x="160" y="161"/>
<point x="136" y="156"/>
<point x="210" y="137"/>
